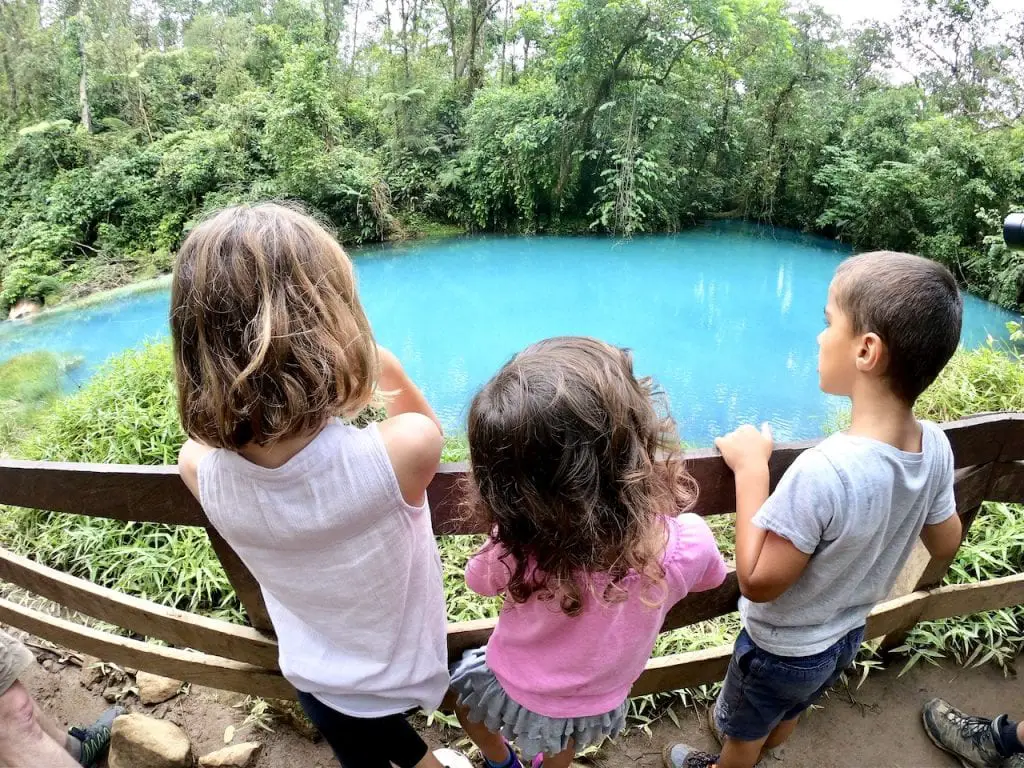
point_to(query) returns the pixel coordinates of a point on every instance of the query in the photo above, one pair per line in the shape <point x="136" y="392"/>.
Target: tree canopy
<point x="123" y="122"/>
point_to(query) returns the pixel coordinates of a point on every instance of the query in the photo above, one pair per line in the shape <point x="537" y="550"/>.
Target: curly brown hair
<point x="572" y="468"/>
<point x="269" y="337"/>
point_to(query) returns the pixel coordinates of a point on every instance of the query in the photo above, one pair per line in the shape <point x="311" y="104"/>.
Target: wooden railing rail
<point x="989" y="457"/>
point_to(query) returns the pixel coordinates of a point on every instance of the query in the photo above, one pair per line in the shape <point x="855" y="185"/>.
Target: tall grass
<point x="125" y="415"/>
<point x="986" y="379"/>
<point x="28" y="383"/>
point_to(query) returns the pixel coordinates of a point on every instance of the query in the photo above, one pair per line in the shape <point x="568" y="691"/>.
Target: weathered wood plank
<point x="466" y="635"/>
<point x="179" y="628"/>
<point x="701" y="606"/>
<point x="893" y="615"/>
<point x="154" y="494"/>
<point x="971" y="486"/>
<point x="984" y="438"/>
<point x="683" y="670"/>
<point x="965" y="599"/>
<point x="664" y="673"/>
<point x="1007" y="482"/>
<point x="937" y="569"/>
<point x="1013" y="439"/>
<point x="119" y="491"/>
<point x="189" y="666"/>
<point x="715" y="479"/>
<point x="245" y="584"/>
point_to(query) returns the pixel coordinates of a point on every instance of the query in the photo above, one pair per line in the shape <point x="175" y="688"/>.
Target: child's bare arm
<point x="413" y="443"/>
<point x="406" y="396"/>
<point x="943" y="539"/>
<point x="411" y="433"/>
<point x="766" y="564"/>
<point x="189" y="456"/>
<point x="943" y="530"/>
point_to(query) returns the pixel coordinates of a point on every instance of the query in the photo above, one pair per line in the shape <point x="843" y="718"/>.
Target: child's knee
<point x="17" y="713"/>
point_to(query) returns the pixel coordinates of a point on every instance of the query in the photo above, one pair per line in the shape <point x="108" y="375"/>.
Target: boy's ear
<point x="871" y="354"/>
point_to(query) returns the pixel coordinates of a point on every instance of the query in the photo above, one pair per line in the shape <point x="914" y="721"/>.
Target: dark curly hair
<point x="572" y="468"/>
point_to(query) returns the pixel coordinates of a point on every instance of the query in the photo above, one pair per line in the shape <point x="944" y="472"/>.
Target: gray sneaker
<point x="685" y="756"/>
<point x="972" y="739"/>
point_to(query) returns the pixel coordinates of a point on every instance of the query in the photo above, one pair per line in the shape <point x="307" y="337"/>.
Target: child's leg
<point x="781" y="733"/>
<point x="740" y="754"/>
<point x="369" y="742"/>
<point x="491" y="744"/>
<point x="563" y="759"/>
<point x="763" y="697"/>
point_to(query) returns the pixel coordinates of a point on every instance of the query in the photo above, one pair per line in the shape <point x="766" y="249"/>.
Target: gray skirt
<point x="480" y="692"/>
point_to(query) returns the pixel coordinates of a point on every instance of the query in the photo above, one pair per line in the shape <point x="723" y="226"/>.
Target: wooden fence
<point x="989" y="453"/>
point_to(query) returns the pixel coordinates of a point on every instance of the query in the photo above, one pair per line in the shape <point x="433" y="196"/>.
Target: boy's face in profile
<point x="837" y="350"/>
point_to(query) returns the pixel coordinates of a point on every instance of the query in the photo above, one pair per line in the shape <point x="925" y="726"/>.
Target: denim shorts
<point x="762" y="690"/>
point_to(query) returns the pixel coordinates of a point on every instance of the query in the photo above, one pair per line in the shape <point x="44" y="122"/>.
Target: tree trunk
<point x="405" y="39"/>
<point x="12" y="86"/>
<point x="449" y="16"/>
<point x="355" y="41"/>
<point x="330" y="26"/>
<point x="504" y="38"/>
<point x="83" y="80"/>
<point x="471" y="45"/>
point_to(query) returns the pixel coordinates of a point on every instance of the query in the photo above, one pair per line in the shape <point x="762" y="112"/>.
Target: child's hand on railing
<point x="746" y="447"/>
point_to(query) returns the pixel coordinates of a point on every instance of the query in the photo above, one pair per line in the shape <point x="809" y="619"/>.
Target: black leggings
<point x="363" y="742"/>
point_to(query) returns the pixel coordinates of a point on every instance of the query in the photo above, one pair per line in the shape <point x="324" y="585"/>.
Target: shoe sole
<point x="943" y="747"/>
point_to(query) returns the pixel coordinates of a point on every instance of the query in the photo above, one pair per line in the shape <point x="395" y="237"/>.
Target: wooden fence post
<point x="245" y="584"/>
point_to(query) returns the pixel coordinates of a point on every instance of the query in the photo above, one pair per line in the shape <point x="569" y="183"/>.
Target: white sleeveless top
<point x="350" y="572"/>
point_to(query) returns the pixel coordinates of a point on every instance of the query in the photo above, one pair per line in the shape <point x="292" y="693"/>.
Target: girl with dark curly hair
<point x="580" y="480"/>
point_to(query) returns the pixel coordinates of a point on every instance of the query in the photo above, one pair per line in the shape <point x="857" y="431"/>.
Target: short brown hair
<point x="914" y="306"/>
<point x="269" y="336"/>
<point x="572" y="467"/>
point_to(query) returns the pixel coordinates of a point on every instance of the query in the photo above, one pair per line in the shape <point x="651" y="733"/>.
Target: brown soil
<point x="877" y="724"/>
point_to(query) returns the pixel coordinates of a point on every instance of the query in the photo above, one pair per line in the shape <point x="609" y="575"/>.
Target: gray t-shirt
<point x="857" y="507"/>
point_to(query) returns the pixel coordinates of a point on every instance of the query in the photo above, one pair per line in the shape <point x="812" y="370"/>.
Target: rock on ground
<point x="154" y="689"/>
<point x="235" y="756"/>
<point x="137" y="741"/>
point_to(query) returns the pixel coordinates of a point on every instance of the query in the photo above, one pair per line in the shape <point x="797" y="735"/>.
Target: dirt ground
<point x="877" y="724"/>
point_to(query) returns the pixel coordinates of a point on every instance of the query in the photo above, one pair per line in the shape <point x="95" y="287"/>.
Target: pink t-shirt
<point x="577" y="666"/>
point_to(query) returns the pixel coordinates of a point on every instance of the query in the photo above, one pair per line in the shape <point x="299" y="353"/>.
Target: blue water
<point x="724" y="318"/>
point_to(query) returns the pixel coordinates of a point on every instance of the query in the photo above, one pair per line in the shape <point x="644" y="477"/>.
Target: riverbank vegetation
<point x="122" y="122"/>
<point x="126" y="414"/>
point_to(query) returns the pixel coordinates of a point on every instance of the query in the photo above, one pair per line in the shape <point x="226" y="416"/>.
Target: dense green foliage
<point x="123" y="122"/>
<point x="125" y="415"/>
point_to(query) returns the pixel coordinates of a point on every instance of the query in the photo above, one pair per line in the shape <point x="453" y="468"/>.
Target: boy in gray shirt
<point x="815" y="557"/>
